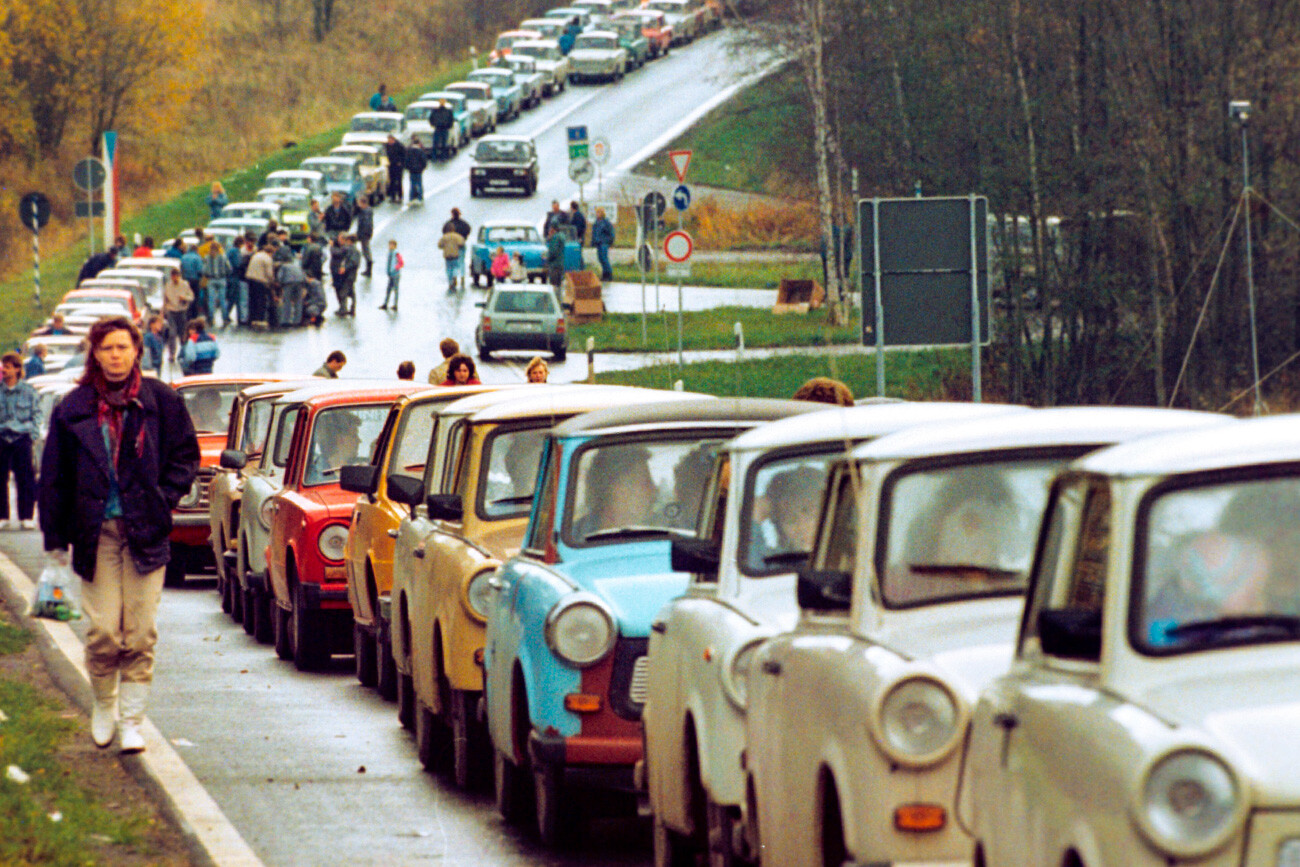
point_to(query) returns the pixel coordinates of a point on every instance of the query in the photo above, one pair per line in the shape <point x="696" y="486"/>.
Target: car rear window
<point x="525" y="302"/>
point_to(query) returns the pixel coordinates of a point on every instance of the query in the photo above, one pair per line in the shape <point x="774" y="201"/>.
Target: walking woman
<point x="119" y="455"/>
<point x="217" y="199"/>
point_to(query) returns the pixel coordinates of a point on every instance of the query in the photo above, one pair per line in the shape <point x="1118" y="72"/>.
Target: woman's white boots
<point x="131" y="701"/>
<point x="103" y="714"/>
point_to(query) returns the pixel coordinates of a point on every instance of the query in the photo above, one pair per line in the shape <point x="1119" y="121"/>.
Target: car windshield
<point x="336" y="171"/>
<point x="375" y="124"/>
<point x="502" y="152"/>
<point x="535" y="303"/>
<point x="513" y="234"/>
<point x="297" y="198"/>
<point x="472" y="91"/>
<point x="364" y="158"/>
<point x="779" y="518"/>
<point x="209" y="405"/>
<point x="257" y="422"/>
<point x="626" y="28"/>
<point x="298" y="182"/>
<point x="411" y="443"/>
<point x="595" y="43"/>
<point x="962" y="531"/>
<point x="418" y="112"/>
<point x="495" y="76"/>
<point x="541" y="52"/>
<point x="1220" y="566"/>
<point x="510" y="462"/>
<point x="626" y="490"/>
<point x="342" y="436"/>
<point x="520" y="65"/>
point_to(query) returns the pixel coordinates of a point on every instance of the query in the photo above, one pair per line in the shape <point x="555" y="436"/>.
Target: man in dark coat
<point x="416" y="162"/>
<point x="97" y="263"/>
<point x="338" y="217"/>
<point x="364" y="231"/>
<point x="441" y="119"/>
<point x="396" y="165"/>
<point x="578" y="221"/>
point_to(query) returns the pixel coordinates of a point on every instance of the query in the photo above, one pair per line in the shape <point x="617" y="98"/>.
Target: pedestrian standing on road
<point x="200" y="351"/>
<point x="578" y="221"/>
<point x="365" y="230"/>
<point x="192" y="273"/>
<point x="393" y="269"/>
<point x="460" y="371"/>
<point x="449" y="349"/>
<point x="20" y="426"/>
<point x="145" y="250"/>
<point x="555" y="242"/>
<point x="236" y="285"/>
<point x="406" y="371"/>
<point x="377" y="99"/>
<point x="537" y="371"/>
<point x="602" y="238"/>
<point x="458" y="225"/>
<point x="334" y="362"/>
<point x="292" y="281"/>
<point x="344" y="271"/>
<point x="119" y="455"/>
<point x="415" y="162"/>
<point x="338" y="217"/>
<point x="554" y="217"/>
<point x="154" y="344"/>
<point x="500" y="270"/>
<point x="316" y="218"/>
<point x="35" y="365"/>
<point x="175" y="250"/>
<point x="452" y="244"/>
<point x="396" y="165"/>
<point x="96" y="263"/>
<point x="58" y="326"/>
<point x="177" y="296"/>
<point x="261" y="277"/>
<point x="217" y="200"/>
<point x="441" y="118"/>
<point x="518" y="270"/>
<point x="312" y="258"/>
<point x="216" y="267"/>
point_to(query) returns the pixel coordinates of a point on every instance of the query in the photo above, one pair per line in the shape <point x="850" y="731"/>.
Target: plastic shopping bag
<point x="57" y="593"/>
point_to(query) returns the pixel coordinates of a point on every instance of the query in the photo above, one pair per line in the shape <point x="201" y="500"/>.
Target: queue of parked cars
<point x="798" y="634"/>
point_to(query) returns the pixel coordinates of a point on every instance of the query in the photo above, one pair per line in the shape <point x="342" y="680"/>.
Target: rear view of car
<point x="520" y="317"/>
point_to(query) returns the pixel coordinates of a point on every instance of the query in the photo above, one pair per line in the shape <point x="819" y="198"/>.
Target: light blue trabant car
<point x="342" y="175"/>
<point x="508" y="93"/>
<point x="569" y="618"/>
<point x="460" y="111"/>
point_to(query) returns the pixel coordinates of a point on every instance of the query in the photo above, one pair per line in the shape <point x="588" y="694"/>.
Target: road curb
<point x="211" y="838"/>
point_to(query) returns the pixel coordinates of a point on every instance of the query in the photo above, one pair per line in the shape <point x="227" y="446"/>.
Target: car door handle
<point x="418" y="552"/>
<point x="392" y="534"/>
<point x="1005" y="720"/>
<point x="659" y="626"/>
<point x="771" y="666"/>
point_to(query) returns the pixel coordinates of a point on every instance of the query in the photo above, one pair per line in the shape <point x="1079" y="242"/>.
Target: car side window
<point x="836" y="547"/>
<point x="542" y="525"/>
<point x="1087" y="587"/>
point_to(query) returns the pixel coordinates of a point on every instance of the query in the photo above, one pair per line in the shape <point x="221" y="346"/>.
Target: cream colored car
<point x="855" y="720"/>
<point x="1152" y="713"/>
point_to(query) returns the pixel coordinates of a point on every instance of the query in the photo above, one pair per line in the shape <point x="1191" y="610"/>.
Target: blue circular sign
<point x="682" y="197"/>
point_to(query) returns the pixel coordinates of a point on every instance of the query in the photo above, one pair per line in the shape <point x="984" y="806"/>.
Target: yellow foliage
<point x="757" y="225"/>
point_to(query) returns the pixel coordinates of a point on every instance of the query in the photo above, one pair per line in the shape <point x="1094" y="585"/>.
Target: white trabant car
<point x="480" y="103"/>
<point x="367" y="124"/>
<point x="597" y="56"/>
<point x="756" y="528"/>
<point x="1152" y="712"/>
<point x="550" y="62"/>
<point x="909" y="607"/>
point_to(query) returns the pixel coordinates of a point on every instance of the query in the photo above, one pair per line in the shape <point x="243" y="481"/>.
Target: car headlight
<point x="266" y="512"/>
<point x="332" y="541"/>
<point x="480" y="172"/>
<point x="192" y="496"/>
<point x="919" y="721"/>
<point x="478" y="593"/>
<point x="735" y="673"/>
<point x="580" y="630"/>
<point x="519" y="173"/>
<point x="1190" y="803"/>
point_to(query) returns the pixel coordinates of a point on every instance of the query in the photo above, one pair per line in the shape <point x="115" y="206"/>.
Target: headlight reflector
<point x="1190" y="803"/>
<point x="477" y="593"/>
<point x="580" y="630"/>
<point x="332" y="541"/>
<point x="735" y="675"/>
<point x="192" y="496"/>
<point x="265" y="512"/>
<point x="919" y="721"/>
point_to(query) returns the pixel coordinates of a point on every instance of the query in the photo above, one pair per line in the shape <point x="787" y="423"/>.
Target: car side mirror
<point x="696" y="556"/>
<point x="446" y="507"/>
<point x="824" y="590"/>
<point x="405" y="490"/>
<point x="1070" y="633"/>
<point x="359" y="479"/>
<point x="233" y="459"/>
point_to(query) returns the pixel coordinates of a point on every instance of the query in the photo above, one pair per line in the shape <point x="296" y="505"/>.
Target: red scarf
<point x="111" y="406"/>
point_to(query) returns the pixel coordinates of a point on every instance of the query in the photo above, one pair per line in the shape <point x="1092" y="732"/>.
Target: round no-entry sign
<point x="678" y="246"/>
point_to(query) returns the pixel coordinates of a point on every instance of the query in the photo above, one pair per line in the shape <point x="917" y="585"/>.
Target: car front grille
<point x="627" y="684"/>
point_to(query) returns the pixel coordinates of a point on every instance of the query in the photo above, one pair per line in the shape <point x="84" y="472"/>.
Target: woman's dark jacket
<point x="157" y="462"/>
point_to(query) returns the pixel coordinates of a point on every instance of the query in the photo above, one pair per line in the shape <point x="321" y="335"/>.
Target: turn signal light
<point x="920" y="817"/>
<point x="582" y="703"/>
<point x="478" y="657"/>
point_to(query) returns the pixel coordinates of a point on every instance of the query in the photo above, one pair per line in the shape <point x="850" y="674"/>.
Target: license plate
<point x="528" y="326"/>
<point x="498" y="183"/>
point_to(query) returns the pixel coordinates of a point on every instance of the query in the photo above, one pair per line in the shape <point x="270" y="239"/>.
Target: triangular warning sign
<point x="681" y="162"/>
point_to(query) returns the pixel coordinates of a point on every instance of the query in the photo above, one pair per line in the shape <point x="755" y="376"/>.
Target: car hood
<point x="594" y="54"/>
<point x="527" y="248"/>
<point x="635" y="581"/>
<point x="501" y="165"/>
<point x="974" y="641"/>
<point x="1255" y="717"/>
<point x="334" y="502"/>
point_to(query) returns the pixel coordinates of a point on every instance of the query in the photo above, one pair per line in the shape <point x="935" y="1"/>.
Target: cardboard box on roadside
<point x="580" y="285"/>
<point x="798" y="296"/>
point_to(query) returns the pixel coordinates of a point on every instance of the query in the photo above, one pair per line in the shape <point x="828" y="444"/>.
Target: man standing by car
<point x="365" y="230"/>
<point x="396" y="165"/>
<point x="579" y="223"/>
<point x="554" y="217"/>
<point x="458" y="225"/>
<point x="313" y="258"/>
<point x="452" y="245"/>
<point x="441" y="119"/>
<point x="338" y="216"/>
<point x="416" y="162"/>
<point x="261" y="278"/>
<point x="344" y="268"/>
<point x="20" y="425"/>
<point x="555" y="239"/>
<point x="602" y="238"/>
<point x="381" y="101"/>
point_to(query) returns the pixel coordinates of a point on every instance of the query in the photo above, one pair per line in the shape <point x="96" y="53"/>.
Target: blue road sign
<point x="577" y="134"/>
<point x="682" y="197"/>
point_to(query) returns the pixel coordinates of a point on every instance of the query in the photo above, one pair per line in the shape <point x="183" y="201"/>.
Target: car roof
<point x="506" y="138"/>
<point x="1061" y="426"/>
<point x="330" y="386"/>
<point x="1250" y="442"/>
<point x="354" y="147"/>
<point x="386" y="392"/>
<point x="608" y="34"/>
<point x="297" y="191"/>
<point x="690" y="410"/>
<point x="474" y="84"/>
<point x="545" y="43"/>
<point x="250" y="205"/>
<point x="529" y="403"/>
<point x="226" y="378"/>
<point x="506" y="224"/>
<point x="74" y="294"/>
<point x="520" y="31"/>
<point x="281" y="386"/>
<point x="327" y="159"/>
<point x="294" y="173"/>
<point x="149" y="263"/>
<point x="396" y="115"/>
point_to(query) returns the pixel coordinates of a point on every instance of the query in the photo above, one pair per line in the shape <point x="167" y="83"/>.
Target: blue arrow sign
<point x="682" y="197"/>
<point x="577" y="134"/>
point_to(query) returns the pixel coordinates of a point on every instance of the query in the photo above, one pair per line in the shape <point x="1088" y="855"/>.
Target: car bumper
<point x="522" y="340"/>
<point x="589" y="762"/>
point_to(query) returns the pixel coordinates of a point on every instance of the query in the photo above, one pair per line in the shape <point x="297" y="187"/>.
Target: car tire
<point x="310" y="647"/>
<point x="257" y="607"/>
<point x="721" y="834"/>
<point x="174" y="573"/>
<point x="469" y="747"/>
<point x="363" y="651"/>
<point x="283" y="641"/>
<point x="223" y="592"/>
<point x="431" y="738"/>
<point x="241" y="609"/>
<point x="553" y="806"/>
<point x="385" y="667"/>
<point x="514" y="792"/>
<point x="561" y="352"/>
<point x="484" y="354"/>
<point x="406" y="701"/>
<point x="670" y="849"/>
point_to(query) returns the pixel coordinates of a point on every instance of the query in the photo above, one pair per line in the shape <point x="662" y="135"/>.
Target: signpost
<point x="600" y="155"/>
<point x="578" y="145"/>
<point x="682" y="197"/>
<point x="89" y="175"/>
<point x="34" y="212"/>
<point x="681" y="161"/>
<point x="678" y="247"/>
<point x="581" y="171"/>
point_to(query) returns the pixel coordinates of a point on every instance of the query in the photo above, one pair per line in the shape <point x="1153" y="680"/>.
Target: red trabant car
<point x="310" y="517"/>
<point x="209" y="398"/>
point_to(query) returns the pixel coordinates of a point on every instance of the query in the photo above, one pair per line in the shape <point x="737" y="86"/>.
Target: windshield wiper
<point x="786" y="558"/>
<point x="512" y="501"/>
<point x="993" y="573"/>
<point x="1288" y="625"/>
<point x="636" y="530"/>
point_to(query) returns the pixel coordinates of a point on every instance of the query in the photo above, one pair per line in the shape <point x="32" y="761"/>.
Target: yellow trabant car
<point x="403" y="450"/>
<point x="445" y="558"/>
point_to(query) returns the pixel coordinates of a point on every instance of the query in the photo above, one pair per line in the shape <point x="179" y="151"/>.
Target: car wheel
<point x="363" y="650"/>
<point x="469" y="747"/>
<point x="309" y="642"/>
<point x="430" y="737"/>
<point x="473" y="191"/>
<point x="561" y="352"/>
<point x="258" y="607"/>
<point x="406" y="701"/>
<point x="670" y="848"/>
<point x="484" y="354"/>
<point x="223" y="590"/>
<point x="385" y="667"/>
<point x="554" y="810"/>
<point x="513" y="792"/>
<point x="283" y="641"/>
<point x="174" y="574"/>
<point x="240" y="609"/>
<point x="721" y="836"/>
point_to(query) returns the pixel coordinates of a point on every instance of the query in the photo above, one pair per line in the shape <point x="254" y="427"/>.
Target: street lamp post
<point x="1240" y="110"/>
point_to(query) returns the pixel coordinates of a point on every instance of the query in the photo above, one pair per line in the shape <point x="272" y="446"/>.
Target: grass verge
<point x="942" y="374"/>
<point x="735" y="275"/>
<point x="712" y="329"/>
